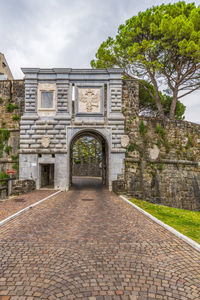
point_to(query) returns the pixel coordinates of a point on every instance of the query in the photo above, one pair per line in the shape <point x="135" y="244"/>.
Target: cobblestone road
<point x="68" y="248"/>
<point x="11" y="206"/>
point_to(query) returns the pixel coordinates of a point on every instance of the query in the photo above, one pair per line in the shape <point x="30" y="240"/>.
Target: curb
<point x="26" y="208"/>
<point x="186" y="239"/>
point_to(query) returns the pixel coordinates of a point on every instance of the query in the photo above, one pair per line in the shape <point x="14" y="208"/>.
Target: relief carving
<point x="89" y="100"/>
<point x="45" y="141"/>
<point x="125" y="141"/>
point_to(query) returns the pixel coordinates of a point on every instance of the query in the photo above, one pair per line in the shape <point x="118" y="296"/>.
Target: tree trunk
<point x="159" y="106"/>
<point x="173" y="104"/>
<point x="157" y="96"/>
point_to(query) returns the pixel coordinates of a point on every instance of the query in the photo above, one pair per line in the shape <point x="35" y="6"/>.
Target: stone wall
<point x="23" y="186"/>
<point x="11" y="109"/>
<point x="46" y="135"/>
<point x="90" y="168"/>
<point x="162" y="158"/>
<point x="11" y="92"/>
<point x="11" y="161"/>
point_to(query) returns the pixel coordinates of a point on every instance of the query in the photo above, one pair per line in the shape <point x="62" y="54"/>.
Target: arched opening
<point x="88" y="159"/>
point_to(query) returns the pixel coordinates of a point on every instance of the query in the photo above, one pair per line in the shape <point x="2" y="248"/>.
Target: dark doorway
<point x="47" y="175"/>
<point x="88" y="159"/>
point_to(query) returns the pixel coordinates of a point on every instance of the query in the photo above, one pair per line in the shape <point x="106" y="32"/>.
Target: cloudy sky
<point x="67" y="33"/>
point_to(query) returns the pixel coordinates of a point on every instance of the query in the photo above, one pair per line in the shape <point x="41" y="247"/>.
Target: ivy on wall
<point x="4" y="137"/>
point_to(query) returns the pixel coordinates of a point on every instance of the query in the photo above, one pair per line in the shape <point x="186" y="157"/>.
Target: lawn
<point x="184" y="221"/>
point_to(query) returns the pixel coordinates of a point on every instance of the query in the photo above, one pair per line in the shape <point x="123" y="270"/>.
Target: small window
<point x="46" y="99"/>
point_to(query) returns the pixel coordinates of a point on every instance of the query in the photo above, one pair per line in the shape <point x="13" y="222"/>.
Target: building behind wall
<point x="5" y="72"/>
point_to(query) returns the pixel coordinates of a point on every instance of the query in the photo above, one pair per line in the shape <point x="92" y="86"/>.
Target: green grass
<point x="184" y="221"/>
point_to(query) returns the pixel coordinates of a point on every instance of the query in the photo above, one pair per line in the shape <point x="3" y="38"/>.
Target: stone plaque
<point x="154" y="152"/>
<point x="124" y="141"/>
<point x="45" y="141"/>
<point x="89" y="100"/>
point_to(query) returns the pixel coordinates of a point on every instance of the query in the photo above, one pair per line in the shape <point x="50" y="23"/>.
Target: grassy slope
<point x="185" y="221"/>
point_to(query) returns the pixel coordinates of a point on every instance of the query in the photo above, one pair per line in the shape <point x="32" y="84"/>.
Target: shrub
<point x="142" y="128"/>
<point x="7" y="149"/>
<point x="11" y="107"/>
<point x="16" y="166"/>
<point x="161" y="131"/>
<point x="16" y="118"/>
<point x="3" y="175"/>
<point x="131" y="147"/>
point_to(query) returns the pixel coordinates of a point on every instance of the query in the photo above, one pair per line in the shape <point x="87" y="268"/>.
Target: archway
<point x="88" y="157"/>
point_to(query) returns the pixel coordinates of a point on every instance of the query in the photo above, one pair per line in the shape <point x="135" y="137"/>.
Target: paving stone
<point x="66" y="248"/>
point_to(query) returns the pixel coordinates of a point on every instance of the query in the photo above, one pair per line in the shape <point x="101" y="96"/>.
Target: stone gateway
<point x="144" y="157"/>
<point x="61" y="105"/>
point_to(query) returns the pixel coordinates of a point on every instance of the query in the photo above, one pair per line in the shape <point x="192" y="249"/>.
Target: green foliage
<point x="158" y="143"/>
<point x="142" y="128"/>
<point x="161" y="45"/>
<point x="160" y="166"/>
<point x="161" y="131"/>
<point x="4" y="134"/>
<point x="7" y="149"/>
<point x="4" y="137"/>
<point x="16" y="118"/>
<point x="3" y="175"/>
<point x="16" y="166"/>
<point x="190" y="142"/>
<point x="14" y="157"/>
<point x="123" y="110"/>
<point x="131" y="147"/>
<point x="185" y="221"/>
<point x="147" y="103"/>
<point x="87" y="148"/>
<point x="1" y="100"/>
<point x="11" y="107"/>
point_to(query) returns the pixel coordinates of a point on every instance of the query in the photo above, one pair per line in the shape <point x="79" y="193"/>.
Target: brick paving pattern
<point x="67" y="248"/>
<point x="11" y="206"/>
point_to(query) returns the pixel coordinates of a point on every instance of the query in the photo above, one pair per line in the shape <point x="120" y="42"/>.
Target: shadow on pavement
<point x="81" y="183"/>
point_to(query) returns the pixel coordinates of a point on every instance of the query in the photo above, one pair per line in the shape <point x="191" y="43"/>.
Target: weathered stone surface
<point x="154" y="152"/>
<point x="125" y="141"/>
<point x="11" y="91"/>
<point x="161" y="162"/>
<point x="45" y="141"/>
<point x="169" y="172"/>
<point x="23" y="186"/>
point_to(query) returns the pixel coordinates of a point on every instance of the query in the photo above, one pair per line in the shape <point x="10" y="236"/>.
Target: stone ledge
<point x="42" y="151"/>
<point x="166" y="161"/>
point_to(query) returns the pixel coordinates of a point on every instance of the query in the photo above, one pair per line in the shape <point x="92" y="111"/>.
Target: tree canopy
<point x="160" y="46"/>
<point x="87" y="148"/>
<point x="147" y="105"/>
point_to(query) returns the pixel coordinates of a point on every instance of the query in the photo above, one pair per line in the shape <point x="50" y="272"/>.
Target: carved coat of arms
<point x="89" y="100"/>
<point x="45" y="141"/>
